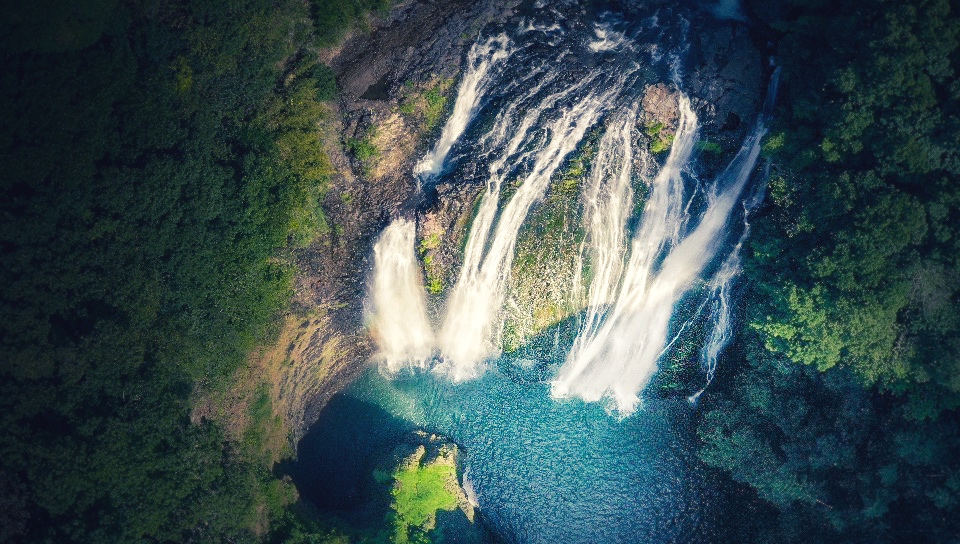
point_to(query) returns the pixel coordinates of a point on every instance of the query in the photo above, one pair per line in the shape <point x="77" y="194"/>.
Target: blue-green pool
<point x="544" y="470"/>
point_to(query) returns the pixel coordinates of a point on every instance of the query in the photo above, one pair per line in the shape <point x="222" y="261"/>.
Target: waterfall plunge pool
<point x="543" y="470"/>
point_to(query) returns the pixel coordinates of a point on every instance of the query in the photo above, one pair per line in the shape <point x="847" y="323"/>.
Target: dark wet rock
<point x="418" y="41"/>
<point x="419" y="46"/>
<point x="644" y="7"/>
<point x="377" y="91"/>
<point x="724" y="76"/>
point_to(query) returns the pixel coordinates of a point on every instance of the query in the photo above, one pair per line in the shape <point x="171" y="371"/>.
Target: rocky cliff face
<point x="396" y="84"/>
<point x="725" y="76"/>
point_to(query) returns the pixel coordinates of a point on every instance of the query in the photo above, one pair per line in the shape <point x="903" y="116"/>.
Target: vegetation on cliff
<point x="845" y="415"/>
<point x="421" y="488"/>
<point x="545" y="278"/>
<point x="161" y="160"/>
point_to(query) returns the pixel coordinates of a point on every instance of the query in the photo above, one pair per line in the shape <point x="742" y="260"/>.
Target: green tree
<point x="160" y="160"/>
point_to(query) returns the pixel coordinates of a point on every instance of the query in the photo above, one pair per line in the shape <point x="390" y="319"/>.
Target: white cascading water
<point x="637" y="280"/>
<point x="608" y="204"/>
<point x="723" y="281"/>
<point x="586" y="373"/>
<point x="480" y="59"/>
<point x="619" y="358"/>
<point x="607" y="39"/>
<point x="399" y="318"/>
<point x="471" y="327"/>
<point x="721" y="313"/>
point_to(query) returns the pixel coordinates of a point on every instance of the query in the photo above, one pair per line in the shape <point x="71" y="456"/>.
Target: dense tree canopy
<point x="158" y="156"/>
<point x="846" y="415"/>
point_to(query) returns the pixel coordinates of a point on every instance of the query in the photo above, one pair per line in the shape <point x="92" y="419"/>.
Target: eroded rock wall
<point x="397" y="81"/>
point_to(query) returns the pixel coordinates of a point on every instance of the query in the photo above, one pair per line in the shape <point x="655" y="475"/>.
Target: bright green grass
<point x="419" y="492"/>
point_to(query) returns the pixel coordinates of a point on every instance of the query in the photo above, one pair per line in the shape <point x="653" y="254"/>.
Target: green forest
<point x="163" y="163"/>
<point x="845" y="418"/>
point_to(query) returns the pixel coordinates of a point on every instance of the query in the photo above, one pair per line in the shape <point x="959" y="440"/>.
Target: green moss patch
<point x="427" y="104"/>
<point x="547" y="263"/>
<point x="420" y="490"/>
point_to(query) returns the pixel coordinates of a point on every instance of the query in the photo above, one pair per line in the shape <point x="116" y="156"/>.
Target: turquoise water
<point x="544" y="470"/>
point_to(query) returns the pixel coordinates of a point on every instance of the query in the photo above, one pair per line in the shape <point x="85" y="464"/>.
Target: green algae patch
<point x="432" y="268"/>
<point x="660" y="139"/>
<point x="419" y="491"/>
<point x="426" y="104"/>
<point x="423" y="485"/>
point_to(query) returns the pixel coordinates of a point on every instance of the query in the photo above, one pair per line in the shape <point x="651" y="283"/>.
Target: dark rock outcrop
<point x="725" y="77"/>
<point x="661" y="107"/>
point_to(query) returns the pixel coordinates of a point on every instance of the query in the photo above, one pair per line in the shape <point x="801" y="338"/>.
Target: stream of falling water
<point x="619" y="358"/>
<point x="471" y="325"/>
<point x="398" y="291"/>
<point x="638" y="276"/>
<point x="480" y="60"/>
<point x="608" y="202"/>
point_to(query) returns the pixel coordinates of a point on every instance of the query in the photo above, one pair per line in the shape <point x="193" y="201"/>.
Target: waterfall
<point x="721" y="314"/>
<point x="618" y="359"/>
<point x="480" y="59"/>
<point x="399" y="317"/>
<point x="638" y="275"/>
<point x="722" y="282"/>
<point x="603" y="352"/>
<point x="608" y="203"/>
<point x="472" y="323"/>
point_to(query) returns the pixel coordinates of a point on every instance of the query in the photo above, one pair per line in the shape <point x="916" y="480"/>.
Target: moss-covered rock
<point x="442" y="231"/>
<point x="660" y="116"/>
<point x="546" y="280"/>
<point x="427" y="502"/>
